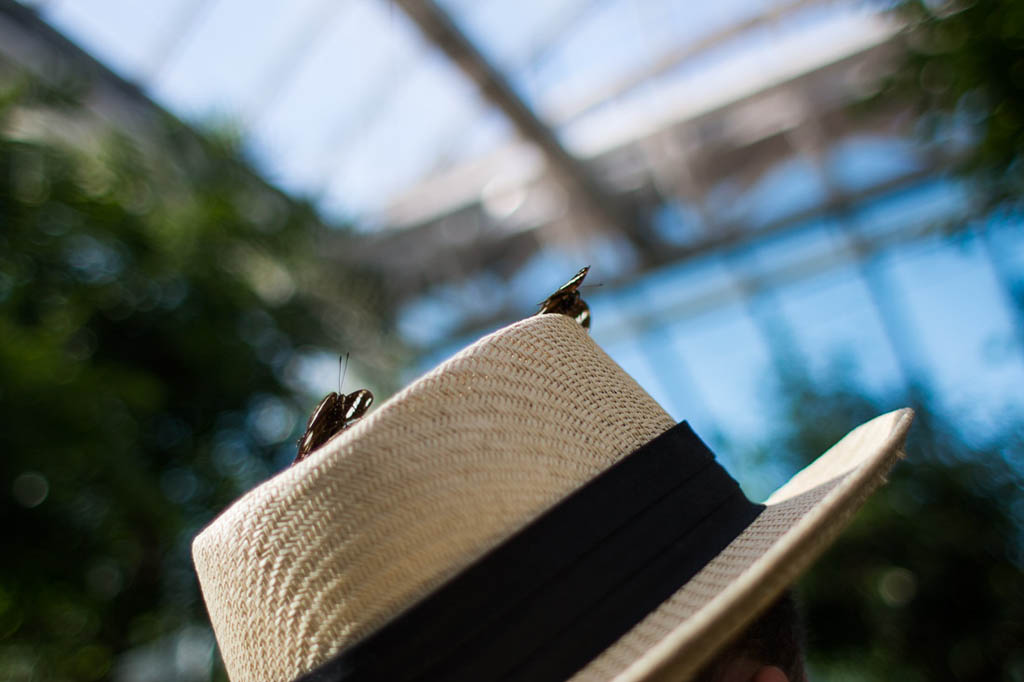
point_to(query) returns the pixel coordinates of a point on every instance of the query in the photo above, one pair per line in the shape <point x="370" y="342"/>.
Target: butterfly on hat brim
<point x="335" y="413"/>
<point x="567" y="300"/>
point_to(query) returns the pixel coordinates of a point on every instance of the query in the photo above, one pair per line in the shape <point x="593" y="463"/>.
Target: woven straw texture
<point x="330" y="549"/>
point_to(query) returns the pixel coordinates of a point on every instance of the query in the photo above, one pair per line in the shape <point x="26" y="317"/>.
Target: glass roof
<point x="347" y="103"/>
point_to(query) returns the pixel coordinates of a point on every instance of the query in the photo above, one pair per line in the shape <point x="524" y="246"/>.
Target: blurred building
<point x="741" y="211"/>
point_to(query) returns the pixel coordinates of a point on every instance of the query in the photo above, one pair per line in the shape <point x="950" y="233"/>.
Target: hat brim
<point x="801" y="519"/>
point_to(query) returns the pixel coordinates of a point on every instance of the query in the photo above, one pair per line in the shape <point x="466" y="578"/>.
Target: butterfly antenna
<point x="342" y="371"/>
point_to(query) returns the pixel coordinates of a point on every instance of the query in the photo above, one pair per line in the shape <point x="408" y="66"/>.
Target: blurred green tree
<point x="927" y="582"/>
<point x="155" y="299"/>
<point x="962" y="71"/>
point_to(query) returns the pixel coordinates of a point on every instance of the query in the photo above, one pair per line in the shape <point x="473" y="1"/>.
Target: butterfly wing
<point x="580" y="311"/>
<point x="322" y="424"/>
<point x="355" y="405"/>
<point x="567" y="301"/>
<point x="574" y="283"/>
<point x="334" y="414"/>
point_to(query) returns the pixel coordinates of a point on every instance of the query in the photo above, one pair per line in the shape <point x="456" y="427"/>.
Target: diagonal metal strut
<point x="438" y="27"/>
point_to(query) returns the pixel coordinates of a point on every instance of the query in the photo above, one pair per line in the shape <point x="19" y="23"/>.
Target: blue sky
<point x="344" y="102"/>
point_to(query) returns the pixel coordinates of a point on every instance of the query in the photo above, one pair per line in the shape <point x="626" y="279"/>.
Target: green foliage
<point x="963" y="72"/>
<point x="927" y="582"/>
<point x="154" y="298"/>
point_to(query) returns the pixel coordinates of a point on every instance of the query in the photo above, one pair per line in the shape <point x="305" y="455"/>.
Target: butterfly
<point x="567" y="300"/>
<point x="335" y="413"/>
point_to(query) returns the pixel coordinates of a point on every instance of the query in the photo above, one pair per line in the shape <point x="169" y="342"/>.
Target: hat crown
<point x="329" y="550"/>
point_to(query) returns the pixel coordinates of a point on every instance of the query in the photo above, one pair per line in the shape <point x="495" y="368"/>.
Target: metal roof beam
<point x="438" y="27"/>
<point x="673" y="58"/>
<point x="739" y="235"/>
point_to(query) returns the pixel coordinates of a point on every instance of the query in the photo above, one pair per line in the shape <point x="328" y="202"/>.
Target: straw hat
<point x="415" y="544"/>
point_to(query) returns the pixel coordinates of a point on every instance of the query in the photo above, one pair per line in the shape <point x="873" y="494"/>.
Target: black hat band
<point x="556" y="594"/>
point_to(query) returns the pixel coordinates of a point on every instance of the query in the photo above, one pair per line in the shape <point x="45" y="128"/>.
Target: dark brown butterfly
<point x="567" y="300"/>
<point x="335" y="413"/>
